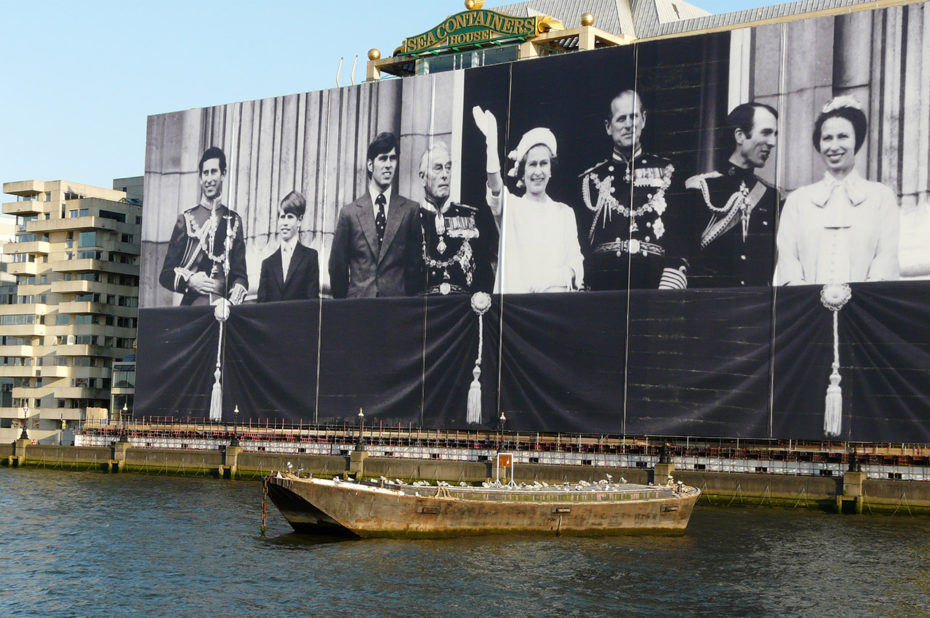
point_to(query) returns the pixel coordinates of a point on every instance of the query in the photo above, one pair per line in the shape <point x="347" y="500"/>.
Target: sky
<point x="78" y="79"/>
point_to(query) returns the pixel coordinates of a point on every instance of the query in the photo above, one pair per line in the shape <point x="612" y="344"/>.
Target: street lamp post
<point x="360" y="443"/>
<point x="235" y="437"/>
<point x="503" y="420"/>
<point x="25" y="434"/>
<point x="122" y="417"/>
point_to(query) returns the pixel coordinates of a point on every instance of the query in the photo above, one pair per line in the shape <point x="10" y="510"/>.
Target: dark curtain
<point x="175" y="360"/>
<point x="748" y="363"/>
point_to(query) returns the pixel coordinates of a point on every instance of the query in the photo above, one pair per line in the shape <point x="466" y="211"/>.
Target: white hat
<point x="533" y="137"/>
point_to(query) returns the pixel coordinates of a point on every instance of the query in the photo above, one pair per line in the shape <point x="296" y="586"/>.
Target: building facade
<point x="73" y="311"/>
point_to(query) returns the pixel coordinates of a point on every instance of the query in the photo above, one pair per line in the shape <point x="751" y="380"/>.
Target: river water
<point x="89" y="544"/>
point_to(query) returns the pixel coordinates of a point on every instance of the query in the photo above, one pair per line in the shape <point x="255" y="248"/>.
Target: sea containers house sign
<point x="471" y="28"/>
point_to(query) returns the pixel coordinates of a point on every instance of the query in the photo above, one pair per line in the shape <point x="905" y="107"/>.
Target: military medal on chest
<point x="649" y="179"/>
<point x="454" y="225"/>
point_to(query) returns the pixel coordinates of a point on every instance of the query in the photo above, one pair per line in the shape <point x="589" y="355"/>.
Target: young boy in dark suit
<point x="292" y="272"/>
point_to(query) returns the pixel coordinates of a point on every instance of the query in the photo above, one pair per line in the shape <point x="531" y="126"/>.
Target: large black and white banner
<point x="669" y="233"/>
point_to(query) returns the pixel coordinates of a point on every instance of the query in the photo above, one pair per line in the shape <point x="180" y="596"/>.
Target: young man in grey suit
<point x="377" y="244"/>
<point x="293" y="271"/>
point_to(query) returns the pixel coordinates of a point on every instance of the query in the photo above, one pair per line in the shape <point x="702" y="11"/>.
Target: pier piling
<point x="230" y="466"/>
<point x="853" y="495"/>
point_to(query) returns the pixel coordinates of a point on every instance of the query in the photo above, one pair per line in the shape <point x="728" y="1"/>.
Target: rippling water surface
<point x="75" y="543"/>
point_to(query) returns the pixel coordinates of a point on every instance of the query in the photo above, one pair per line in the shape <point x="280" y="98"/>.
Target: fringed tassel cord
<point x="834" y="297"/>
<point x="480" y="303"/>
<point x="221" y="313"/>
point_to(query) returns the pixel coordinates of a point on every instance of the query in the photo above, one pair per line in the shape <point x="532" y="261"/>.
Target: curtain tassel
<point x="834" y="297"/>
<point x="480" y="303"/>
<point x="221" y="313"/>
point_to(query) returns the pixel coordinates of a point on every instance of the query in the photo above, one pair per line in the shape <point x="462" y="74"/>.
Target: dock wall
<point x="719" y="488"/>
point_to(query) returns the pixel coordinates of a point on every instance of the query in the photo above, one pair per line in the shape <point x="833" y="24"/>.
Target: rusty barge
<point x="396" y="509"/>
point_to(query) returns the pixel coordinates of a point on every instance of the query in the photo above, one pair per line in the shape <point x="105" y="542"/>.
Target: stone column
<point x="852" y="70"/>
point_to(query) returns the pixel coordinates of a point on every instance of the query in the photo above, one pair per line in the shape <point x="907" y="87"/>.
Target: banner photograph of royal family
<point x="717" y="235"/>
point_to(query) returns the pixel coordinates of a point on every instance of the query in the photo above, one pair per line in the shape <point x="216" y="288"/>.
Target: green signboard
<point x="475" y="27"/>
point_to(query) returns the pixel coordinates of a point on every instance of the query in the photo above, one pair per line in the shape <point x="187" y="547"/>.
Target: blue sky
<point x="80" y="78"/>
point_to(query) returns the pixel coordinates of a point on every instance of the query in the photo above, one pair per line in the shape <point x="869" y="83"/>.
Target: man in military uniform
<point x="455" y="254"/>
<point x="632" y="231"/>
<point x="734" y="210"/>
<point x="206" y="254"/>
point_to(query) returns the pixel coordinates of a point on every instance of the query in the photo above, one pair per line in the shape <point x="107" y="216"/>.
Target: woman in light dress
<point x="842" y="228"/>
<point x="540" y="250"/>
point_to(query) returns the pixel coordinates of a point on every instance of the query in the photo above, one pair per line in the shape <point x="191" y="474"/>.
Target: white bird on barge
<point x="396" y="509"/>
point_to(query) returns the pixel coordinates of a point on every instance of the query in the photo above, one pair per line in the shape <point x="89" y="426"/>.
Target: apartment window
<point x="89" y="255"/>
<point x="124" y="378"/>
<point x="85" y="319"/>
<point x="88" y="239"/>
<point x="17" y="320"/>
<point x="72" y="214"/>
<point x="115" y="216"/>
<point x="128" y="238"/>
<point x="63" y="319"/>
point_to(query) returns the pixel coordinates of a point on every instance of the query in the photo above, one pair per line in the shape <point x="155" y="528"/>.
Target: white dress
<point x="539" y="246"/>
<point x="838" y="231"/>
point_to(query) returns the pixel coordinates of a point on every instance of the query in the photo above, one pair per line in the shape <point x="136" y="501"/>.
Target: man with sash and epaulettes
<point x="734" y="211"/>
<point x="456" y="256"/>
<point x="205" y="261"/>
<point x="633" y="236"/>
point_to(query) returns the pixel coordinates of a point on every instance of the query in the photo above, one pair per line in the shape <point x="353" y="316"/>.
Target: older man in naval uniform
<point x="206" y="254"/>
<point x="632" y="231"/>
<point x="734" y="210"/>
<point x="456" y="241"/>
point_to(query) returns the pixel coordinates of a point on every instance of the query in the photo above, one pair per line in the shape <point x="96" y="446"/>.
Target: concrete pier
<point x="18" y="456"/>
<point x="357" y="463"/>
<point x="853" y="496"/>
<point x="229" y="469"/>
